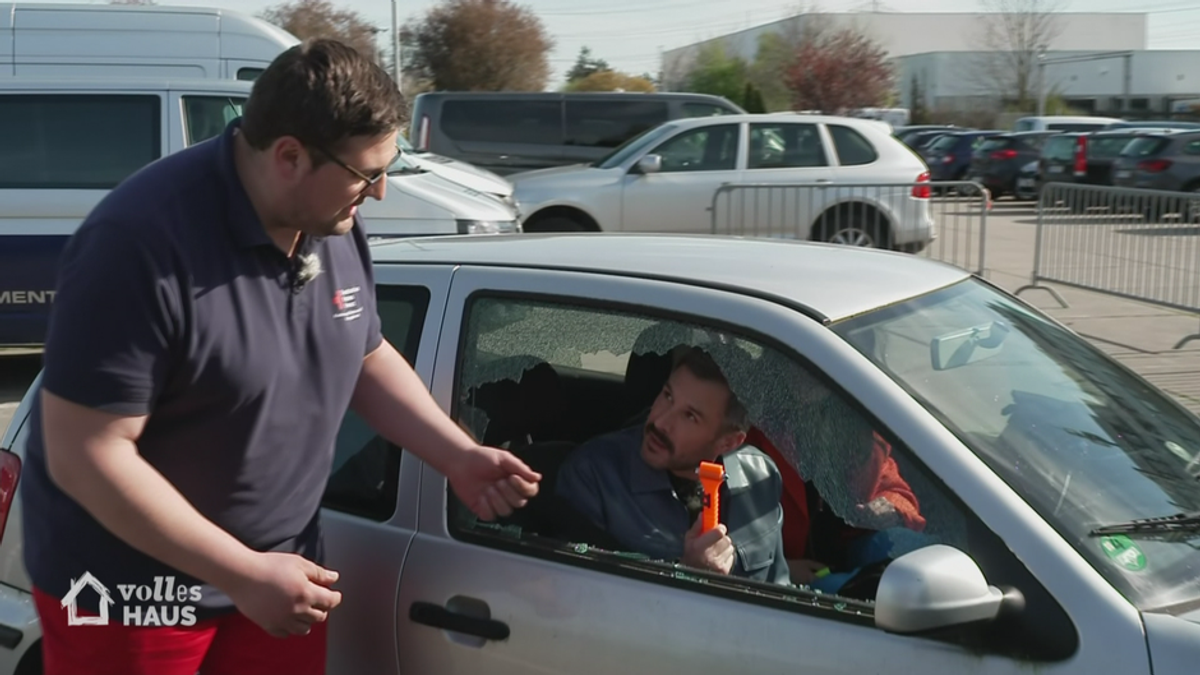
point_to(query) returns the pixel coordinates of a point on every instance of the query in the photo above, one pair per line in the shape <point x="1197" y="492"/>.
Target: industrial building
<point x="1095" y="62"/>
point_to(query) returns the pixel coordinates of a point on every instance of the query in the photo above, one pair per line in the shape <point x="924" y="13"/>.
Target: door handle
<point x="438" y="616"/>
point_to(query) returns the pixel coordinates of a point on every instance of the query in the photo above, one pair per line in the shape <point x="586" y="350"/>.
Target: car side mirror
<point x="650" y="164"/>
<point x="935" y="587"/>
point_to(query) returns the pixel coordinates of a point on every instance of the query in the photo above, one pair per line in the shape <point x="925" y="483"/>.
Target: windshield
<point x="1085" y="442"/>
<point x="1144" y="146"/>
<point x="944" y="144"/>
<point x="1108" y="147"/>
<point x="994" y="144"/>
<point x="633" y="147"/>
<point x="1060" y="148"/>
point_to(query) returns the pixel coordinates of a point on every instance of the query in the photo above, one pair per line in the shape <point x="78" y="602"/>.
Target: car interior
<point x="545" y="412"/>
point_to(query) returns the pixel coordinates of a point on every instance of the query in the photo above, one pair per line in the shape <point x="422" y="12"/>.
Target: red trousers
<point x="227" y="645"/>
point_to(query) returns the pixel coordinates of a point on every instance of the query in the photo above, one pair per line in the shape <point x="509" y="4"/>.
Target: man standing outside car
<point x="203" y="349"/>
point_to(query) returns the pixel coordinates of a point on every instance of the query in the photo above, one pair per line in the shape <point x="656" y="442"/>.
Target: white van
<point x="1064" y="123"/>
<point x="52" y="40"/>
<point x="65" y="143"/>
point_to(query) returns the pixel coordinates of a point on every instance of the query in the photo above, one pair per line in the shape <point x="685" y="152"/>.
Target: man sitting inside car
<point x="640" y="484"/>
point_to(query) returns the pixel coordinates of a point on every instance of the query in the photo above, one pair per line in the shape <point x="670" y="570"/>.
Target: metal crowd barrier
<point x="944" y="221"/>
<point x="1135" y="244"/>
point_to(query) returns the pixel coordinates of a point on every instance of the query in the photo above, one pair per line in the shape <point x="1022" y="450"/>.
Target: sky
<point x="631" y="34"/>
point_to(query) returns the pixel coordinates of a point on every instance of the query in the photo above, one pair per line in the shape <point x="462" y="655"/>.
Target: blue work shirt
<point x="607" y="481"/>
<point x="173" y="302"/>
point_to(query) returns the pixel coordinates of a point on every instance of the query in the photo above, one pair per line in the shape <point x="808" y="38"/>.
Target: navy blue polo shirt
<point x="174" y="303"/>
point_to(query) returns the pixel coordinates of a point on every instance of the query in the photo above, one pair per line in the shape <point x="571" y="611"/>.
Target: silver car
<point x="862" y="186"/>
<point x="1053" y="492"/>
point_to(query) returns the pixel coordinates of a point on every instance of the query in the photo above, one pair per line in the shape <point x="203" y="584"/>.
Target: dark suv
<point x="949" y="156"/>
<point x="997" y="161"/>
<point x="1085" y="157"/>
<point x="1161" y="161"/>
<point x="507" y="132"/>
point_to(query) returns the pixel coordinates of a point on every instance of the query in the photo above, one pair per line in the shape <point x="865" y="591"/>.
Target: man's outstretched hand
<point x="493" y="482"/>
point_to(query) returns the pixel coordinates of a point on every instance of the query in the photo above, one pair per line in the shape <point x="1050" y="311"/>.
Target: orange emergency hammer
<point x="711" y="476"/>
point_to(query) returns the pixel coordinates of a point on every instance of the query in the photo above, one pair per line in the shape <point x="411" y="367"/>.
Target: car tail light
<point x="922" y="191"/>
<point x="423" y="134"/>
<point x="10" y="473"/>
<point x="1001" y="155"/>
<point x="1154" y="165"/>
<point x="948" y="159"/>
<point x="1081" y="156"/>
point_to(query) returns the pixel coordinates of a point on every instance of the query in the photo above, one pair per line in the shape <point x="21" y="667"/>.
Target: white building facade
<point x="942" y="59"/>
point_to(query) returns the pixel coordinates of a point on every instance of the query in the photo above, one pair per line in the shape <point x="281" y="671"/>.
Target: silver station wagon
<point x="1049" y="495"/>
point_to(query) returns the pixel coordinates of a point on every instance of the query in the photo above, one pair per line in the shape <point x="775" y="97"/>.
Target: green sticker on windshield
<point x="1121" y="550"/>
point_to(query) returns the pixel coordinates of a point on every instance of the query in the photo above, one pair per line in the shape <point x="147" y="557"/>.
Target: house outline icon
<point x="69" y="602"/>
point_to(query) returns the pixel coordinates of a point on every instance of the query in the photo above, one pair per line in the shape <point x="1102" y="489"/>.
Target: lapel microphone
<point x="305" y="268"/>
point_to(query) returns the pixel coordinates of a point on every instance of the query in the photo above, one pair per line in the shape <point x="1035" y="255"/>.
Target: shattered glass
<point x="825" y="439"/>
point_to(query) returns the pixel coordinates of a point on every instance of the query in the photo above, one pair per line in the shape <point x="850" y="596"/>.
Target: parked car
<point x="1154" y="124"/>
<point x="507" y="132"/>
<point x="1048" y="476"/>
<point x="1064" y="123"/>
<point x="64" y="143"/>
<point x="949" y="156"/>
<point x="665" y="180"/>
<point x="997" y="161"/>
<point x="909" y="133"/>
<point x="457" y="171"/>
<point x="920" y="140"/>
<point x="1029" y="182"/>
<point x="1161" y="161"/>
<point x="1085" y="157"/>
<point x="88" y="41"/>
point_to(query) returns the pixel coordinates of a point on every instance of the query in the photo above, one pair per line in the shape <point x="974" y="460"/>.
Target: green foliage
<point x="585" y="65"/>
<point x="769" y="71"/>
<point x="752" y="99"/>
<point x="717" y="73"/>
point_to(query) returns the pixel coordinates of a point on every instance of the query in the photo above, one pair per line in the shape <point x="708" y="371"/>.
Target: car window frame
<point x="688" y="131"/>
<point x="824" y="144"/>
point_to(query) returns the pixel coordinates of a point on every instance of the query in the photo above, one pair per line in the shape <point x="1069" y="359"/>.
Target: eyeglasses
<point x="369" y="180"/>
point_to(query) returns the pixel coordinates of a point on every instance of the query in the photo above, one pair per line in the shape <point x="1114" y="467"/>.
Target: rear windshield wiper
<point x="1180" y="522"/>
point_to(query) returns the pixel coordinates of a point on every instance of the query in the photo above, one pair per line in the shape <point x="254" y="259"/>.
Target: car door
<point x="369" y="510"/>
<point x="499" y="598"/>
<point x="795" y="156"/>
<point x="678" y="198"/>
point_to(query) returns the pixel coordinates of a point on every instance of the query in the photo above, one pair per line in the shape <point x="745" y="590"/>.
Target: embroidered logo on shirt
<point x="345" y="301"/>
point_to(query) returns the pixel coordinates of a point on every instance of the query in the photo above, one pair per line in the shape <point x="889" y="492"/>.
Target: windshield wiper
<point x="1180" y="522"/>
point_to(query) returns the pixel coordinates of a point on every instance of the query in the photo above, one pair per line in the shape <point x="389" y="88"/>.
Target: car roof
<point x="800" y="118"/>
<point x="42" y="83"/>
<point x="827" y="281"/>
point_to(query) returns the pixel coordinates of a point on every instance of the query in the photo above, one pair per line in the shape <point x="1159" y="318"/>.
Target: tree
<point x="312" y="19"/>
<point x="610" y="80"/>
<point x="586" y="65"/>
<point x="715" y="72"/>
<point x="774" y="57"/>
<point x="839" y="70"/>
<point x="1015" y="33"/>
<point x="917" y="108"/>
<point x="481" y="45"/>
<point x="752" y="99"/>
